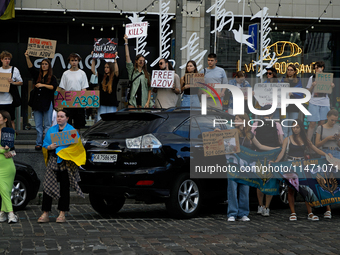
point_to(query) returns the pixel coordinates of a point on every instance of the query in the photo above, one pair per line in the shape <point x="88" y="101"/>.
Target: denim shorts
<point x="318" y="112"/>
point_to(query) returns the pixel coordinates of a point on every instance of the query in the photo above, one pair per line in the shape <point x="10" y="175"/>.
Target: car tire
<point x="106" y="204"/>
<point x="185" y="198"/>
<point x="20" y="193"/>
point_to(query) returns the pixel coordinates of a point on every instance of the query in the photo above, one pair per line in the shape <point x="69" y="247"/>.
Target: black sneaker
<point x="38" y="148"/>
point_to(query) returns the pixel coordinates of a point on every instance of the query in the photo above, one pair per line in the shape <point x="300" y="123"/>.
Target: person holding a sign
<point x="75" y="79"/>
<point x="139" y="95"/>
<point x="41" y="97"/>
<point x="167" y="97"/>
<point x="319" y="104"/>
<point x="10" y="98"/>
<point x="7" y="173"/>
<point x="272" y="78"/>
<point x="190" y="95"/>
<point x="62" y="164"/>
<point x="292" y="110"/>
<point x="240" y="82"/>
<point x="107" y="86"/>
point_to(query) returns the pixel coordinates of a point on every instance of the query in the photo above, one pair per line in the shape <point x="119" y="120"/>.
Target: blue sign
<point x="253" y="31"/>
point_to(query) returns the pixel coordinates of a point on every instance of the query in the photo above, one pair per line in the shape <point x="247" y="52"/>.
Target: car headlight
<point x="148" y="141"/>
<point x="134" y="143"/>
<point x="83" y="141"/>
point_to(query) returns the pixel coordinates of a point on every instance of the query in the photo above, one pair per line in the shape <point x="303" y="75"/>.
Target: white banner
<point x="264" y="93"/>
<point x="136" y="30"/>
<point x="162" y="79"/>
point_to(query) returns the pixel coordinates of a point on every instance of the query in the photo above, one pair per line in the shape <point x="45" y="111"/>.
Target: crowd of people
<point x="62" y="162"/>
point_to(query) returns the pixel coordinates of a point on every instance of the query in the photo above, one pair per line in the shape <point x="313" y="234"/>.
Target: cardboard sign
<point x="323" y="83"/>
<point x="43" y="48"/>
<point x="65" y="137"/>
<point x="162" y="79"/>
<point x="76" y="99"/>
<point x="194" y="79"/>
<point x="245" y="91"/>
<point x="264" y="93"/>
<point x="135" y="30"/>
<point x="4" y="83"/>
<point x="221" y="142"/>
<point x="105" y="48"/>
<point x="7" y="137"/>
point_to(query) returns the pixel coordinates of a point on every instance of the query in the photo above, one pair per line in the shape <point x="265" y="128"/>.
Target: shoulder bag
<point x="13" y="90"/>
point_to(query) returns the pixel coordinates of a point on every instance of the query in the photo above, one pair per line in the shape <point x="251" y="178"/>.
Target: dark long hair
<point x="167" y="61"/>
<point x="302" y="135"/>
<point x="7" y="116"/>
<point x="49" y="72"/>
<point x="192" y="62"/>
<point x="108" y="86"/>
<point x="146" y="74"/>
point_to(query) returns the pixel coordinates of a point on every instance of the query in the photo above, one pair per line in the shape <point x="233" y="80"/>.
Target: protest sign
<point x="264" y="93"/>
<point x="65" y="137"/>
<point x="7" y="137"/>
<point x="194" y="79"/>
<point x="76" y="99"/>
<point x="220" y="142"/>
<point x="245" y="91"/>
<point x="162" y="79"/>
<point x="105" y="48"/>
<point x="323" y="83"/>
<point x="41" y="47"/>
<point x="4" y="83"/>
<point x="135" y="30"/>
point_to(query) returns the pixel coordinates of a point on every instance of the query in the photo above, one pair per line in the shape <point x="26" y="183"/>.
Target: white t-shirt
<point x="74" y="80"/>
<point x="6" y="97"/>
<point x="321" y="101"/>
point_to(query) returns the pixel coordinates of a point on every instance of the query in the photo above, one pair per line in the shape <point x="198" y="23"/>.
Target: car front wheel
<point x="19" y="194"/>
<point x="106" y="204"/>
<point x="185" y="200"/>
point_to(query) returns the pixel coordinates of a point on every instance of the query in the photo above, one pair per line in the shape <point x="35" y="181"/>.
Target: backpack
<point x="267" y="135"/>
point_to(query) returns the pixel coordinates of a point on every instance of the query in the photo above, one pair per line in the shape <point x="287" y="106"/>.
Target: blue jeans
<point x="105" y="109"/>
<point x="238" y="206"/>
<point x="190" y="101"/>
<point x="287" y="131"/>
<point x="43" y="121"/>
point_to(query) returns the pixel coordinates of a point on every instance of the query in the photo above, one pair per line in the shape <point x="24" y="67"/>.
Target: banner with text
<point x="105" y="48"/>
<point x="135" y="30"/>
<point x="76" y="99"/>
<point x="162" y="79"/>
<point x="65" y="137"/>
<point x="4" y="83"/>
<point x="38" y="47"/>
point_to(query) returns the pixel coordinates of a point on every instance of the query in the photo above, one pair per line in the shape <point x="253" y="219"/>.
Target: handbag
<point x="129" y="87"/>
<point x="13" y="90"/>
<point x="33" y="98"/>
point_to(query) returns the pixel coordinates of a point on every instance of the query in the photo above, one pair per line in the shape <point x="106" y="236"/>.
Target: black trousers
<point x="64" y="200"/>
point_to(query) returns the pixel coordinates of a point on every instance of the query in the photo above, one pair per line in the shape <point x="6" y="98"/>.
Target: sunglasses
<point x="290" y="70"/>
<point x="269" y="73"/>
<point x="161" y="63"/>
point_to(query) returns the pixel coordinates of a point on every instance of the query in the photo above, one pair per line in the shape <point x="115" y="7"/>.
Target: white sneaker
<point x="12" y="218"/>
<point x="265" y="212"/>
<point x="232" y="218"/>
<point x="244" y="218"/>
<point x="3" y="217"/>
<point x="260" y="209"/>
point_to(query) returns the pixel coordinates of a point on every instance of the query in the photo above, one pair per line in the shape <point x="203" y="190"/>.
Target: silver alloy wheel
<point x="188" y="196"/>
<point x="19" y="193"/>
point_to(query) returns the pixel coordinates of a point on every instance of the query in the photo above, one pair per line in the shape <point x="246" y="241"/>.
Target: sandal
<point x="61" y="219"/>
<point x="327" y="215"/>
<point x="312" y="217"/>
<point x="293" y="217"/>
<point x="43" y="218"/>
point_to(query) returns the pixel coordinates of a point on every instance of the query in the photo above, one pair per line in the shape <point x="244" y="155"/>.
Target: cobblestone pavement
<point x="148" y="229"/>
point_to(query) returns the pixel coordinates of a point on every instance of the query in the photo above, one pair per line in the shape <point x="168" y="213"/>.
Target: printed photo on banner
<point x="136" y="30"/>
<point x="105" y="48"/>
<point x="162" y="79"/>
<point x="323" y="83"/>
<point x="7" y="137"/>
<point x="264" y="93"/>
<point x="76" y="99"/>
<point x="65" y="137"/>
<point x="194" y="79"/>
<point x="41" y="48"/>
<point x="221" y="142"/>
<point x="4" y="83"/>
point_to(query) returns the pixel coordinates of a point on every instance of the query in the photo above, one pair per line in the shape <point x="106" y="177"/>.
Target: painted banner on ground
<point x="76" y="99"/>
<point x="38" y="47"/>
<point x="162" y="79"/>
<point x="323" y="83"/>
<point x="264" y="93"/>
<point x="65" y="137"/>
<point x="135" y="30"/>
<point x="105" y="48"/>
<point x="251" y="169"/>
<point x="316" y="180"/>
<point x="4" y="83"/>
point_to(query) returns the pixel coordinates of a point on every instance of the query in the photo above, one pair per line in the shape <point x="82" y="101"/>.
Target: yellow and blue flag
<point x="7" y="9"/>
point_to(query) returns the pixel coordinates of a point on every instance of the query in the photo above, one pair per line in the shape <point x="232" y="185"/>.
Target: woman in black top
<point x="190" y="95"/>
<point x="107" y="87"/>
<point x="41" y="97"/>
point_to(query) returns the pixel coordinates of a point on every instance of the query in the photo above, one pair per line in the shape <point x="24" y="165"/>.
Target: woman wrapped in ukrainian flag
<point x="62" y="164"/>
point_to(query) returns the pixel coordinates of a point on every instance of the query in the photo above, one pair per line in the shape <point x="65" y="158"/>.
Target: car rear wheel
<point x="20" y="193"/>
<point x="185" y="199"/>
<point x="106" y="204"/>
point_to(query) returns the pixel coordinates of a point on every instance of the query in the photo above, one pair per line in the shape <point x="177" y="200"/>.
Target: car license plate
<point x="107" y="158"/>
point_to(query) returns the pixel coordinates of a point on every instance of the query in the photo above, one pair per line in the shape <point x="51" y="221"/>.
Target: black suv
<point x="146" y="155"/>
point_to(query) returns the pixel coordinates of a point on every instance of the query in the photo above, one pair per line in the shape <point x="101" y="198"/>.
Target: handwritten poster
<point x="7" y="137"/>
<point x="323" y="83"/>
<point x="194" y="79"/>
<point x="4" y="83"/>
<point x="135" y="30"/>
<point x="264" y="93"/>
<point x="41" y="47"/>
<point x="162" y="79"/>
<point x="105" y="48"/>
<point x="76" y="99"/>
<point x="221" y="142"/>
<point x="65" y="137"/>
